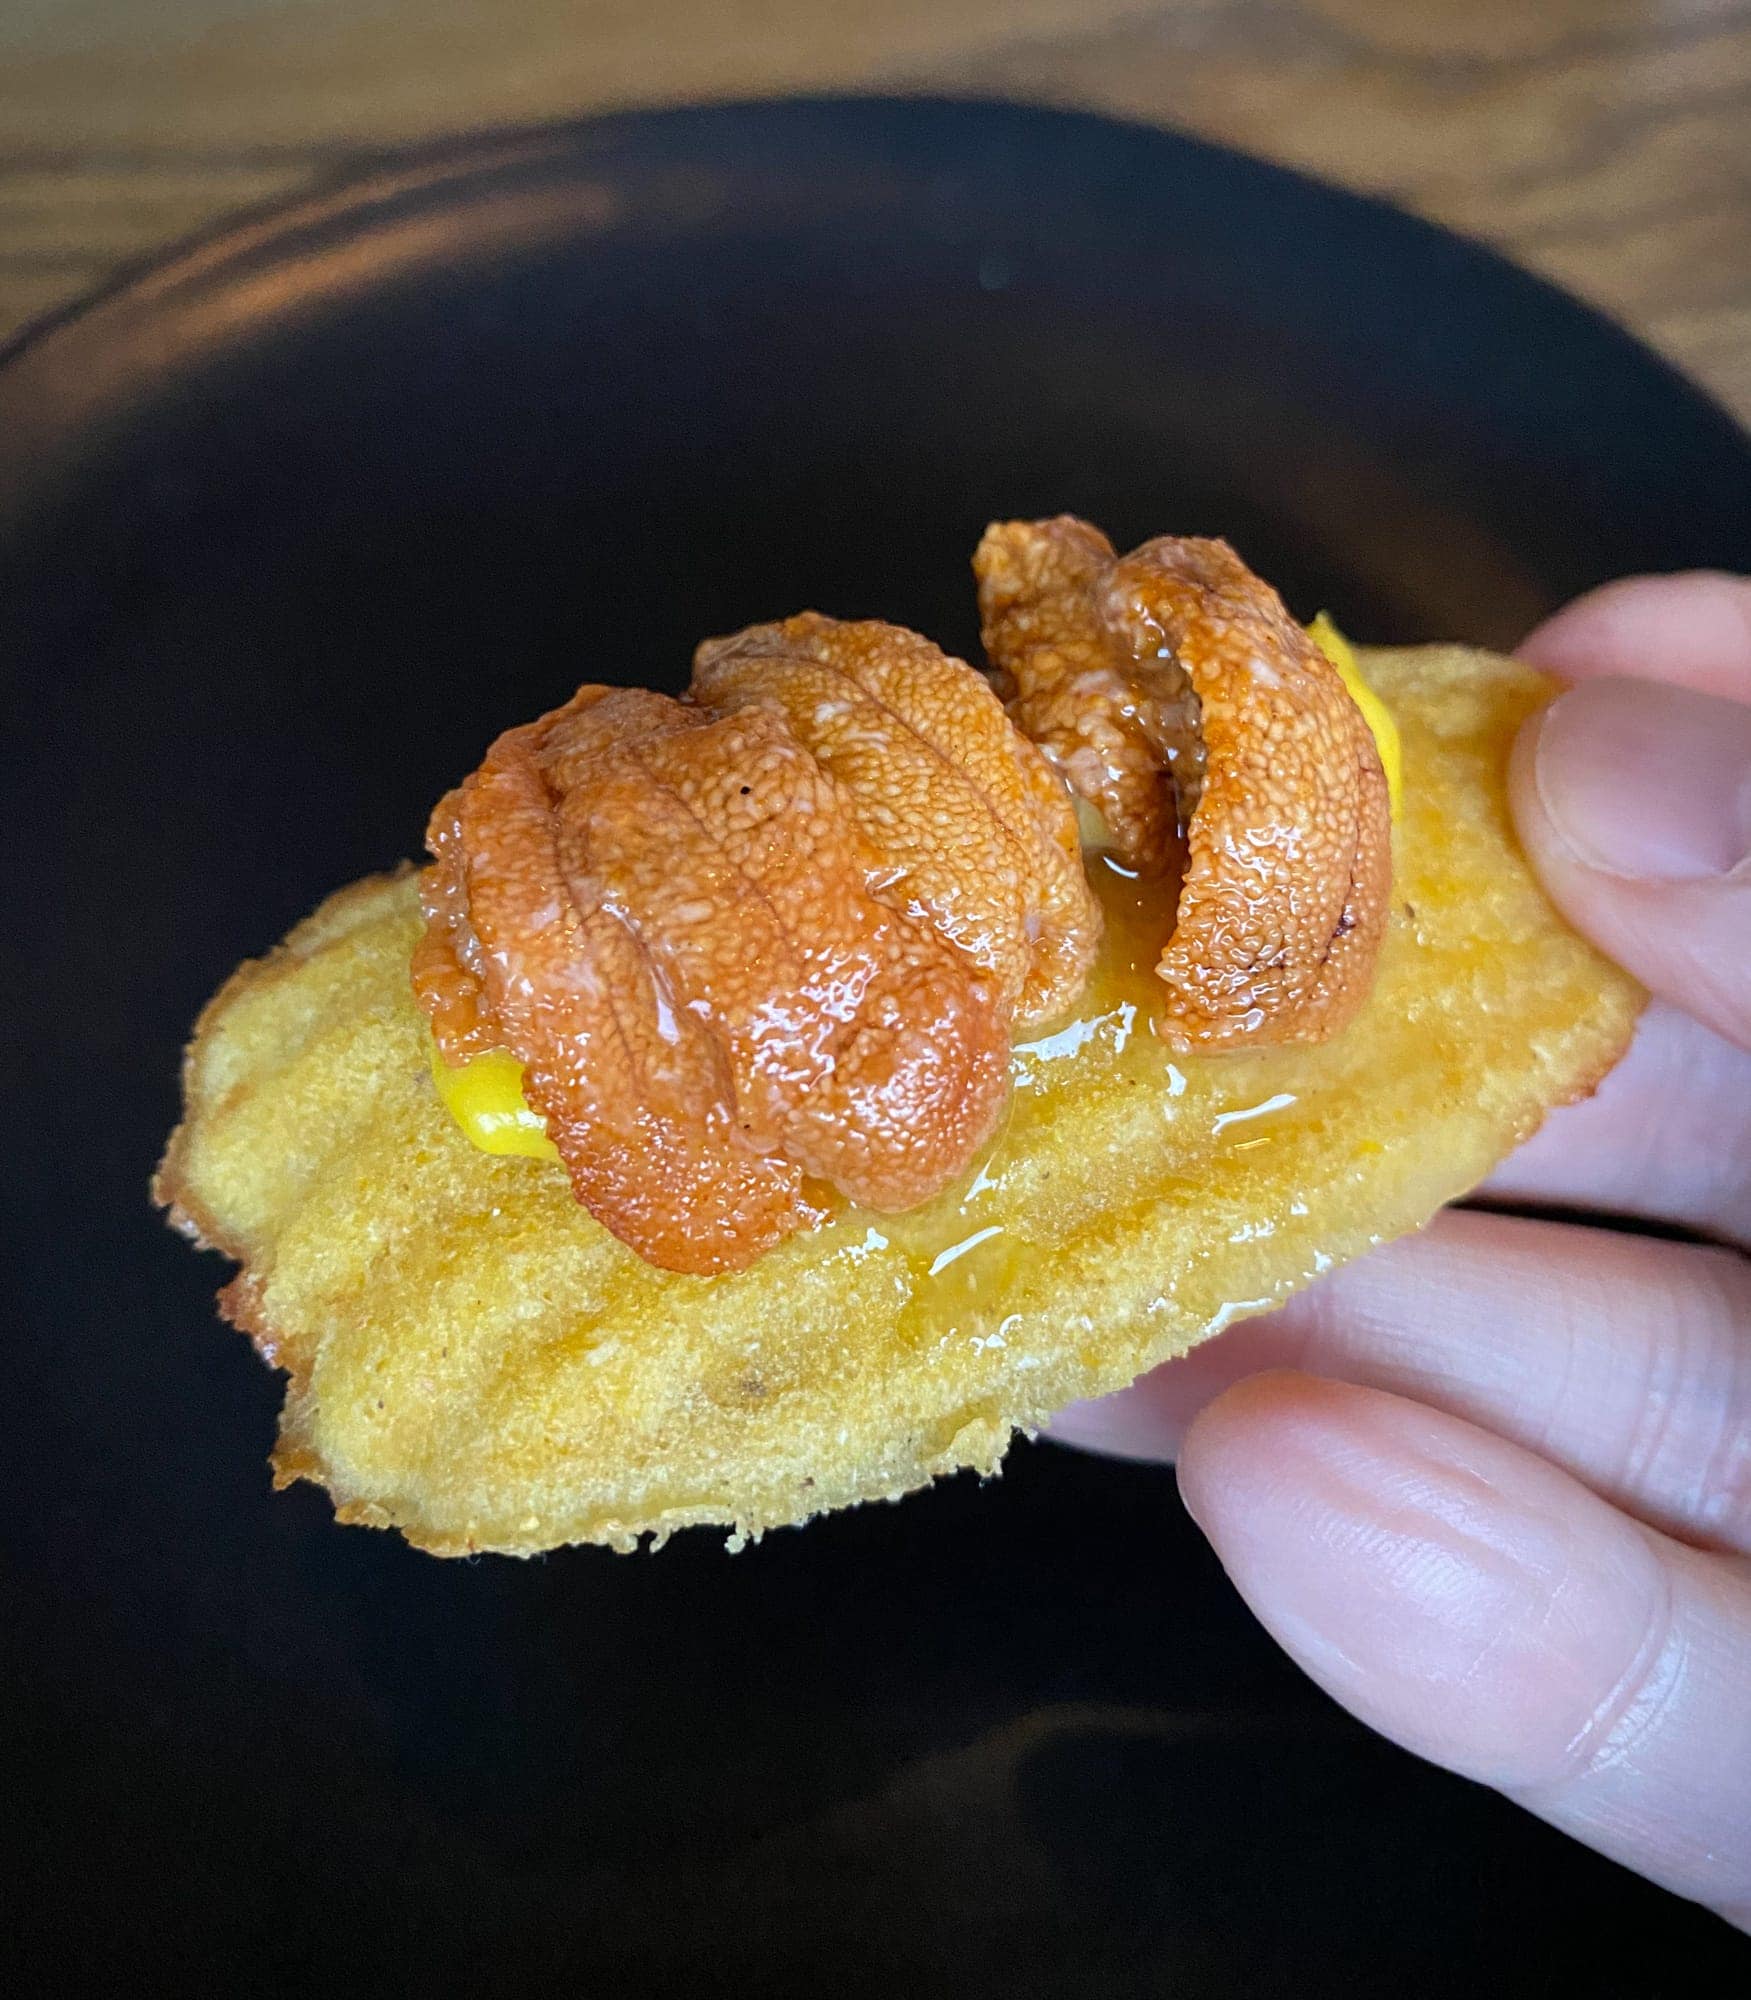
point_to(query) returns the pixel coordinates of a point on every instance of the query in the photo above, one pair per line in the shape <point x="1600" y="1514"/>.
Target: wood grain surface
<point x="1606" y="143"/>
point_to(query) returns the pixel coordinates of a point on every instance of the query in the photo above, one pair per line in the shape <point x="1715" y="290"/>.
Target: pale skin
<point x="1491" y="1487"/>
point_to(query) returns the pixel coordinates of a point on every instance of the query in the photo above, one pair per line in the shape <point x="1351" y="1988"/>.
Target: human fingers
<point x="1692" y="630"/>
<point x="1624" y="1359"/>
<point x="1632" y="790"/>
<point x="1487" y="1611"/>
<point x="1633" y="802"/>
<point x="1667" y="1136"/>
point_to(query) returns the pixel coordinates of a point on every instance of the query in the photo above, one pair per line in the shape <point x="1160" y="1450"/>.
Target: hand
<point x="1491" y="1486"/>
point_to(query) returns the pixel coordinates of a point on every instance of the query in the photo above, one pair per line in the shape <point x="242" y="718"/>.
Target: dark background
<point x="289" y="529"/>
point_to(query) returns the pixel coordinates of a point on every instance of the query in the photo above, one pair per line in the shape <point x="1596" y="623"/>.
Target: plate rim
<point x="367" y="174"/>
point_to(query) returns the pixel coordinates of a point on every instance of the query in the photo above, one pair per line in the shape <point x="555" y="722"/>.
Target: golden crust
<point x="476" y="1362"/>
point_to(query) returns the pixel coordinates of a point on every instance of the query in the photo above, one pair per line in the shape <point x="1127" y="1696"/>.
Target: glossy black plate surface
<point x="289" y="528"/>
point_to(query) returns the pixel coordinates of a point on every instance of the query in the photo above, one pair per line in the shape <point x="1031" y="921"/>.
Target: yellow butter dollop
<point x="485" y="1097"/>
<point x="1332" y="643"/>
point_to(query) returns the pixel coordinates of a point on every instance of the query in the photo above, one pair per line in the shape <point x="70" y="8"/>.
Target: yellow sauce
<point x="963" y="1246"/>
<point x="970" y="1241"/>
<point x="952" y="1257"/>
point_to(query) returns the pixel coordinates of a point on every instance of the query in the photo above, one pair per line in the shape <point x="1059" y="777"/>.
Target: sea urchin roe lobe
<point x="485" y="1096"/>
<point x="957" y="801"/>
<point x="634" y="1088"/>
<point x="720" y="985"/>
<point x="1109" y="722"/>
<point x="1288" y="834"/>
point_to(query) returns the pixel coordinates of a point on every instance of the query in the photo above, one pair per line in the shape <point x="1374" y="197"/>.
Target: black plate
<point x="291" y="526"/>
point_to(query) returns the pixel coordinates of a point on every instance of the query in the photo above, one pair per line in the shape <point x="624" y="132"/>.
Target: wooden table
<point x="1606" y="143"/>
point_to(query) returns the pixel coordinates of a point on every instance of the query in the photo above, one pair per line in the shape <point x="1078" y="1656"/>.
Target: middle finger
<point x="1667" y="1137"/>
<point x="1624" y="1358"/>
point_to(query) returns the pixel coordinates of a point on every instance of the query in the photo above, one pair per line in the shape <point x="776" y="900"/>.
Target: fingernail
<point x="1647" y="781"/>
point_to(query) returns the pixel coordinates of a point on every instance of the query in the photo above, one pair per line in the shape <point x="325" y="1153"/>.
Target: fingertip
<point x="1691" y="629"/>
<point x="1633" y="803"/>
<point x="1256" y="1434"/>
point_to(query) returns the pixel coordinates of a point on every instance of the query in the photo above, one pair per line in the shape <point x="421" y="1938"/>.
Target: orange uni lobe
<point x="970" y="822"/>
<point x="1174" y="693"/>
<point x="774" y="933"/>
<point x="635" y="1090"/>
